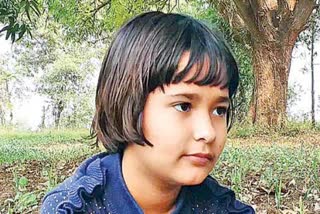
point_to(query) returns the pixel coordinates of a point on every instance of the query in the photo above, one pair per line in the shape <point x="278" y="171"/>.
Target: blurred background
<point x="50" y="56"/>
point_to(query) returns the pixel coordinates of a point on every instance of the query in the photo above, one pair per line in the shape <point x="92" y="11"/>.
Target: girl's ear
<point x="140" y="130"/>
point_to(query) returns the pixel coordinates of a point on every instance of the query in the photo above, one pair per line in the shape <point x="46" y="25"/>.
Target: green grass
<point x="283" y="170"/>
<point x="291" y="129"/>
<point x="274" y="168"/>
<point x="50" y="149"/>
<point x="45" y="145"/>
<point x="43" y="137"/>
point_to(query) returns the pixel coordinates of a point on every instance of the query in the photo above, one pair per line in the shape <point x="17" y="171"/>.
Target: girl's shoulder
<point x="88" y="177"/>
<point x="77" y="193"/>
<point x="211" y="197"/>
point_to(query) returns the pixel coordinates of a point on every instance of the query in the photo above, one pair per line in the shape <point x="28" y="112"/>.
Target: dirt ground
<point x="32" y="170"/>
<point x="262" y="199"/>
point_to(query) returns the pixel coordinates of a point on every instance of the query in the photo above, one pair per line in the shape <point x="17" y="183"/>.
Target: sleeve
<point x="51" y="202"/>
<point x="226" y="199"/>
<point x="69" y="196"/>
<point x="238" y="207"/>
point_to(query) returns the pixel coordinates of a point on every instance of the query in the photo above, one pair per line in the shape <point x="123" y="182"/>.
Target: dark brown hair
<point x="143" y="56"/>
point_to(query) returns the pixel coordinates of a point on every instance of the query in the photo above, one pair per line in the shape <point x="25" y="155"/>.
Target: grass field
<point x="274" y="173"/>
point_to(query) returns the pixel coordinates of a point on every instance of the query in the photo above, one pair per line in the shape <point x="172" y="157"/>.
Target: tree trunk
<point x="271" y="64"/>
<point x="43" y="118"/>
<point x="2" y="117"/>
<point x="274" y="27"/>
<point x="313" y="120"/>
<point x="9" y="100"/>
<point x="59" y="109"/>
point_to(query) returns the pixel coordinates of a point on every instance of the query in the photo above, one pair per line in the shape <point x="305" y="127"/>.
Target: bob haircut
<point x="144" y="55"/>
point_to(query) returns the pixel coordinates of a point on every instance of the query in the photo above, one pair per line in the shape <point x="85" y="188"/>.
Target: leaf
<point x="8" y="33"/>
<point x="27" y="8"/>
<point x="34" y="6"/>
<point x="4" y="12"/>
<point x="11" y="20"/>
<point x="29" y="32"/>
<point x="5" y="28"/>
<point x="22" y="31"/>
<point x="23" y="182"/>
<point x="16" y="27"/>
<point x="13" y="37"/>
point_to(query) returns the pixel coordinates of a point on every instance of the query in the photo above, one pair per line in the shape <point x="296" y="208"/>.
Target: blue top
<point x="98" y="187"/>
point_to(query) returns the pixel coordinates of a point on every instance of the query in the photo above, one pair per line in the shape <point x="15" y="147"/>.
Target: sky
<point x="27" y="113"/>
<point x="302" y="80"/>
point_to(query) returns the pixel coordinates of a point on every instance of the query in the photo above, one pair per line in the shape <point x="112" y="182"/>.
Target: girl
<point x="162" y="112"/>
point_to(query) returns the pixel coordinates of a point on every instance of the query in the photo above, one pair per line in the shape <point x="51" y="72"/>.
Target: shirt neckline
<point x="121" y="199"/>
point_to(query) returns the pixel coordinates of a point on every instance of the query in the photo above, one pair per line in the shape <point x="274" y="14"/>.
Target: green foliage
<point x="63" y="75"/>
<point x="10" y="89"/>
<point x="294" y="94"/>
<point x="49" y="147"/>
<point x="18" y="17"/>
<point x="295" y="128"/>
<point x="89" y="19"/>
<point x="92" y="20"/>
<point x="84" y="19"/>
<point x="46" y="145"/>
<point x="253" y="167"/>
<point x="62" y="72"/>
<point x="291" y="129"/>
<point x="52" y="179"/>
<point x="243" y="131"/>
<point x="272" y="168"/>
<point x="210" y="16"/>
<point x="80" y="111"/>
<point x="313" y="27"/>
<point x="33" y="55"/>
<point x="23" y="200"/>
<point x="66" y="83"/>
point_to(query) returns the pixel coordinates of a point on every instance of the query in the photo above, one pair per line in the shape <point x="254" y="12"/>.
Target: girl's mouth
<point x="199" y="159"/>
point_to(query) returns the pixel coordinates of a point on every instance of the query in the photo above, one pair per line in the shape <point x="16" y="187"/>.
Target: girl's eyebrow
<point x="193" y="96"/>
<point x="190" y="96"/>
<point x="223" y="99"/>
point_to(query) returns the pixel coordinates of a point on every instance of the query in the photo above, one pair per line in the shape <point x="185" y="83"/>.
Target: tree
<point x="34" y="54"/>
<point x="272" y="28"/>
<point x="10" y="88"/>
<point x="61" y="71"/>
<point x="209" y="14"/>
<point x="269" y="27"/>
<point x="18" y="17"/>
<point x="309" y="37"/>
<point x="315" y="27"/>
<point x="66" y="81"/>
<point x="5" y="93"/>
<point x="89" y="19"/>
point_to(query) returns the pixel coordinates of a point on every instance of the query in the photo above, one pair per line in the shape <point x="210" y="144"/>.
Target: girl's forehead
<point x="183" y="62"/>
<point x="196" y="70"/>
<point x="192" y="90"/>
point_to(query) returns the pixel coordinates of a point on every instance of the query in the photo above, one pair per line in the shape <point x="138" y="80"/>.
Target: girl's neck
<point x="151" y="194"/>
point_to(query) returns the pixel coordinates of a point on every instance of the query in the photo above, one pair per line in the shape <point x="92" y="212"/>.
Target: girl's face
<point x="187" y="126"/>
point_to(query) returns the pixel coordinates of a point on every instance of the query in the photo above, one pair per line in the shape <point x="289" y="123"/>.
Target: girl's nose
<point x="204" y="129"/>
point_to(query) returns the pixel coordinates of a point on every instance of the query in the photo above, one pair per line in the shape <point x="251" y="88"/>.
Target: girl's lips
<point x="199" y="159"/>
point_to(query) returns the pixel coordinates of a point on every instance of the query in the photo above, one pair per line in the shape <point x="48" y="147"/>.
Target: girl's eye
<point x="183" y="107"/>
<point x="220" y="111"/>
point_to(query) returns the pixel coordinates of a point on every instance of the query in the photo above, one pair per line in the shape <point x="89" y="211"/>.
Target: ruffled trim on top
<point x="87" y="181"/>
<point x="88" y="177"/>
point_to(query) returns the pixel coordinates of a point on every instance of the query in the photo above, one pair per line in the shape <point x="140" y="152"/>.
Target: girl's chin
<point x="195" y="180"/>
